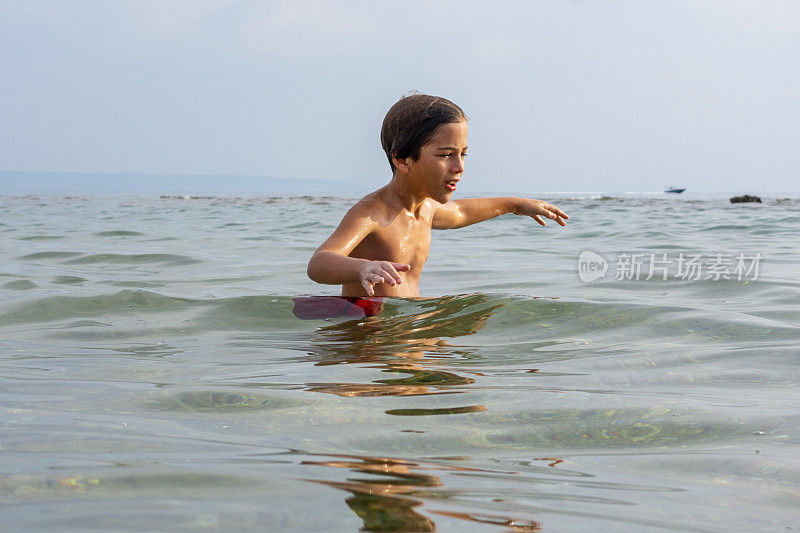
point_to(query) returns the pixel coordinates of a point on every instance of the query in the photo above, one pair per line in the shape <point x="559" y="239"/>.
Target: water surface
<point x="154" y="374"/>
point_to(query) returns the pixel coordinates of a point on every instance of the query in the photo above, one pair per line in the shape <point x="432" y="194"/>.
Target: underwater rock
<point x="745" y="198"/>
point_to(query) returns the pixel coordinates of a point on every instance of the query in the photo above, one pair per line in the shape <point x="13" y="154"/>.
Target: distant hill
<point x="22" y="182"/>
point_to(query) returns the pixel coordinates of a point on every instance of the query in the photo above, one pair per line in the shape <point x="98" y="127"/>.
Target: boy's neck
<point x="403" y="195"/>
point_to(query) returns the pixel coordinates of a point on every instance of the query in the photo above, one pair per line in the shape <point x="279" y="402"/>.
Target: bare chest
<point x="403" y="240"/>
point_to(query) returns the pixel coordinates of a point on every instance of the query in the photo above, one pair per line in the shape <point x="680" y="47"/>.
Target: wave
<point x="49" y="255"/>
<point x="164" y="259"/>
<point x="59" y="308"/>
<point x="119" y="233"/>
<point x="333" y="326"/>
<point x="42" y="238"/>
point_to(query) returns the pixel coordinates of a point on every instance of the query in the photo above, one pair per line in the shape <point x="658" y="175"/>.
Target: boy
<point x="382" y="242"/>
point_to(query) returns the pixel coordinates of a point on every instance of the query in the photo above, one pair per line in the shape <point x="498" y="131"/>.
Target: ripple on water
<point x="626" y="430"/>
<point x="136" y="284"/>
<point x="119" y="233"/>
<point x="49" y="255"/>
<point x="86" y="324"/>
<point x="136" y="259"/>
<point x="68" y="280"/>
<point x="20" y="285"/>
<point x="55" y="308"/>
<point x="41" y="238"/>
<point x="206" y="401"/>
<point x="116" y="485"/>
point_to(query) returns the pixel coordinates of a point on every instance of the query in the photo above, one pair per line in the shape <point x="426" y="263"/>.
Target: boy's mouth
<point x="451" y="185"/>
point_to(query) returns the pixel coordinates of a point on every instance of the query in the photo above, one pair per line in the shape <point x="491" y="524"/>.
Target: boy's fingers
<point x="539" y="220"/>
<point x="556" y="210"/>
<point x="373" y="279"/>
<point x="388" y="277"/>
<point x="402" y="267"/>
<point x="368" y="287"/>
<point x="393" y="271"/>
<point x="392" y="276"/>
<point x="553" y="213"/>
<point x="555" y="216"/>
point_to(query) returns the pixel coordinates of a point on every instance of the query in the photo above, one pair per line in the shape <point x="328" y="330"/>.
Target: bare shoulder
<point x="356" y="224"/>
<point x="371" y="207"/>
<point x="369" y="204"/>
<point x="364" y="215"/>
<point x="444" y="216"/>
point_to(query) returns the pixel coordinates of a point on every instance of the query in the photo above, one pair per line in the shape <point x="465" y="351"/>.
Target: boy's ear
<point x="401" y="164"/>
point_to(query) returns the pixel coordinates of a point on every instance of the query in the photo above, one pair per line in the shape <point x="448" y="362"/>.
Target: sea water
<point x="636" y="370"/>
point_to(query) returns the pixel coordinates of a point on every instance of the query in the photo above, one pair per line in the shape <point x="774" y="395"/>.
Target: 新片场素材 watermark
<point x="685" y="266"/>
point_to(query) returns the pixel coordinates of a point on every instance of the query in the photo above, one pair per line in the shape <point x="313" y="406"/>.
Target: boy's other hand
<point x="374" y="272"/>
<point x="539" y="208"/>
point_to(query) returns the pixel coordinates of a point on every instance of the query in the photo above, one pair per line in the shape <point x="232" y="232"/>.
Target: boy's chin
<point x="444" y="197"/>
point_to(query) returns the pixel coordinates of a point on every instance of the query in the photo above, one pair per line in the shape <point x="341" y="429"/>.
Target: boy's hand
<point x="536" y="208"/>
<point x="373" y="272"/>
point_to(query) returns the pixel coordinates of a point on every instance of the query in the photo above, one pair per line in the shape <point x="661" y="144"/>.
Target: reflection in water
<point x="439" y="411"/>
<point x="411" y="347"/>
<point x="408" y="344"/>
<point x="551" y="461"/>
<point x="380" y="502"/>
<point x="391" y="498"/>
<point x="509" y="523"/>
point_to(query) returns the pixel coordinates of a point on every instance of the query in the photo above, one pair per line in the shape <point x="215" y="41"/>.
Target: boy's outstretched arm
<point x="460" y="213"/>
<point x="330" y="263"/>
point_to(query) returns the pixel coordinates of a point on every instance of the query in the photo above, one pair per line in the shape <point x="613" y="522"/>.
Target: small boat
<point x="676" y="190"/>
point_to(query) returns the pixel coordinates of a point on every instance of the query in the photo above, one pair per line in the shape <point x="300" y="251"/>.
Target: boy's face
<point x="441" y="162"/>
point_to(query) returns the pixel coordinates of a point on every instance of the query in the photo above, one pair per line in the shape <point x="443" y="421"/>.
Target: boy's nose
<point x="458" y="166"/>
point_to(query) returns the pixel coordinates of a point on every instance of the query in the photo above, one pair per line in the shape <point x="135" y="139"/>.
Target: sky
<point x="561" y="95"/>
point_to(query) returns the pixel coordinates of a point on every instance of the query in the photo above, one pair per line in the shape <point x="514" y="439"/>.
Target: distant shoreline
<point x="55" y="182"/>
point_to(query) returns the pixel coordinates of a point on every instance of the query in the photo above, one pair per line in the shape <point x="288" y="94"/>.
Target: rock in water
<point x="745" y="198"/>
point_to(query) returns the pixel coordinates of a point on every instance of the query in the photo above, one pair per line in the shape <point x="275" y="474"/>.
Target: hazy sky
<point x="562" y="95"/>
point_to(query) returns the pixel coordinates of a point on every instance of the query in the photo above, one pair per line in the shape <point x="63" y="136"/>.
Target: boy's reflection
<point x="388" y="493"/>
<point x="407" y="344"/>
<point x="385" y="501"/>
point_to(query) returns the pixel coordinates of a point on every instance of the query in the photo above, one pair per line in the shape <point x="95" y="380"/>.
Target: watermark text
<point x="685" y="266"/>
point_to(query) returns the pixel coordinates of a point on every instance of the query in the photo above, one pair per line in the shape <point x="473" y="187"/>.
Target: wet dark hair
<point x="412" y="121"/>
